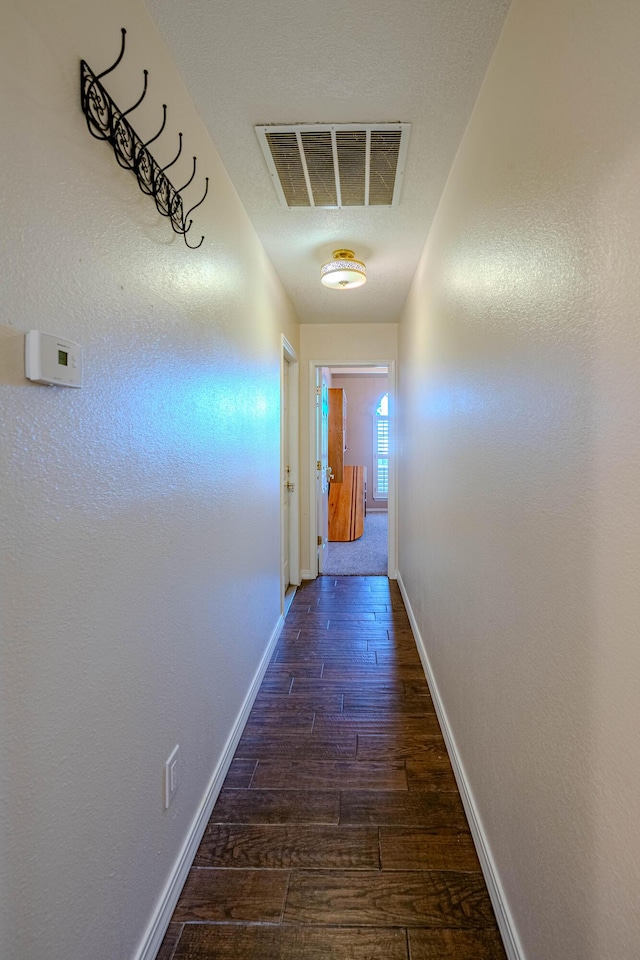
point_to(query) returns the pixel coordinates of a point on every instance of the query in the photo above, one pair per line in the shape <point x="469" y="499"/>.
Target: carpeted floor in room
<point x="366" y="556"/>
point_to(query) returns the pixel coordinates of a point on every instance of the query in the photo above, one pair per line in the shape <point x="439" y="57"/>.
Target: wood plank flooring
<point x="339" y="833"/>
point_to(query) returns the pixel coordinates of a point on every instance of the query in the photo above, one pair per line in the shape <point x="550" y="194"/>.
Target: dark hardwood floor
<point x="339" y="833"/>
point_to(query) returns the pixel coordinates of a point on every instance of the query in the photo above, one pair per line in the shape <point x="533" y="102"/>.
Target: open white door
<point x="322" y="465"/>
<point x="288" y="484"/>
<point x="290" y="551"/>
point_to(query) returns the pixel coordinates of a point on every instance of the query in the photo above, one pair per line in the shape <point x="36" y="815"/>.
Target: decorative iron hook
<point x="106" y="121"/>
<point x="140" y="99"/>
<point x="164" y="123"/>
<point x="162" y="170"/>
<point x="125" y="139"/>
<point x="167" y="198"/>
<point x="206" y="191"/>
<point x="143" y="163"/>
<point x="185" y="185"/>
<point x="120" y="56"/>
<point x="194" y="246"/>
<point x="96" y="104"/>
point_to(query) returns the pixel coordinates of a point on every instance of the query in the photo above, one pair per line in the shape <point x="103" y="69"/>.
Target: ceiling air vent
<point x="337" y="165"/>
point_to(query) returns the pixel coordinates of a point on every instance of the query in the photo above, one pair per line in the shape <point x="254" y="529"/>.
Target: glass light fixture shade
<point x="343" y="272"/>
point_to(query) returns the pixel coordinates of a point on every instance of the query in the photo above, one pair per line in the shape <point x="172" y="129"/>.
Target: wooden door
<point x="337" y="432"/>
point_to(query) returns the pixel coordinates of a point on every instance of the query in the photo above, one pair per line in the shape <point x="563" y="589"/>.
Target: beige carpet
<point x="365" y="556"/>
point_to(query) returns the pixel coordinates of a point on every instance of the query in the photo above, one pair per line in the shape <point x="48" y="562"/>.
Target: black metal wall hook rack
<point x="106" y="121"/>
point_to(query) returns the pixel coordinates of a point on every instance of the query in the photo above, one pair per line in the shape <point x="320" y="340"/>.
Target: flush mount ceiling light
<point x="343" y="272"/>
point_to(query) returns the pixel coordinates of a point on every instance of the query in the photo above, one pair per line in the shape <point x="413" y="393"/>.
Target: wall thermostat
<point x="52" y="360"/>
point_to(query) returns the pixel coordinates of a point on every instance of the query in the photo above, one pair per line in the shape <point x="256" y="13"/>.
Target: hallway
<point x="339" y="833"/>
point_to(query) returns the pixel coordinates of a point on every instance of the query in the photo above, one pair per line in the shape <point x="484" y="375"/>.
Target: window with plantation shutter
<point x="381" y="450"/>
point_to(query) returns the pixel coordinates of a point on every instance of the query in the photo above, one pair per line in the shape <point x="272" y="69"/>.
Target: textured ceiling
<point x="289" y="61"/>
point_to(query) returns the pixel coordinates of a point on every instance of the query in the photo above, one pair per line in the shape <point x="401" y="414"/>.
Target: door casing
<point x="392" y="548"/>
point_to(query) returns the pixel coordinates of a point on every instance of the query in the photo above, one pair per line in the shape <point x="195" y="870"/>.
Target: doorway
<point x="289" y="501"/>
<point x="356" y="546"/>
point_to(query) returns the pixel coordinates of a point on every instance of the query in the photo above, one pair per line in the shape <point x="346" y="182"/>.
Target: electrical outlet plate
<point x="171" y="776"/>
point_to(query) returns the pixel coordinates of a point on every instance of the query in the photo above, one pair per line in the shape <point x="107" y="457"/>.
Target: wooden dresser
<point x="337" y="431"/>
<point x="347" y="502"/>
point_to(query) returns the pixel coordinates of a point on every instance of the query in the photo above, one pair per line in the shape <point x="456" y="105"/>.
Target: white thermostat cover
<point x="52" y="360"/>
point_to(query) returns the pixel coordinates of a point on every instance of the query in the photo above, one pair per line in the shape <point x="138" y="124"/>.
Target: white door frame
<point x="392" y="547"/>
<point x="290" y="368"/>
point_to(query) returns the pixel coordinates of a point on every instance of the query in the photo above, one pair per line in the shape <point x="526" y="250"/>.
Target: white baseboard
<point x="512" y="945"/>
<point x="159" y="922"/>
<point x="288" y="597"/>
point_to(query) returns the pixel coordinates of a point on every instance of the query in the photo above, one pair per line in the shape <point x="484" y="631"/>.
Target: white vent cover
<point x="336" y="165"/>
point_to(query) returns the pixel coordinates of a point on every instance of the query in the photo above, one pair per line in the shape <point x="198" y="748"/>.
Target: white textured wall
<point x="333" y="343"/>
<point x="520" y="470"/>
<point x="139" y="555"/>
